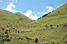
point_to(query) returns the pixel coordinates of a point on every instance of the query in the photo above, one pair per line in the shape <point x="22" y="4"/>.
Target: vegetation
<point x="16" y="28"/>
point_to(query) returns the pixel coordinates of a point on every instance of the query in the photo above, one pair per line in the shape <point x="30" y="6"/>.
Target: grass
<point x="16" y="28"/>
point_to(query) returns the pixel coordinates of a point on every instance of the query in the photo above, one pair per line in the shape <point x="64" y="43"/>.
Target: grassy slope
<point x="57" y="17"/>
<point x="17" y="19"/>
<point x="56" y="32"/>
<point x="10" y="17"/>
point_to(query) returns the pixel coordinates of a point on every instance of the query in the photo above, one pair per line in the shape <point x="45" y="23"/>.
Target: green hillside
<point x="12" y="17"/>
<point x="16" y="28"/>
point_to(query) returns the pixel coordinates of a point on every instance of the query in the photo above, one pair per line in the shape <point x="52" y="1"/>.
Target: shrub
<point x="36" y="40"/>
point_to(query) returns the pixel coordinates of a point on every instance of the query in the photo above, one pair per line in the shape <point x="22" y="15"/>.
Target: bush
<point x="36" y="40"/>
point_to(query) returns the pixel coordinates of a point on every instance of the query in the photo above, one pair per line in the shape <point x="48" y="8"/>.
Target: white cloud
<point x="30" y="15"/>
<point x="35" y="17"/>
<point x="40" y="14"/>
<point x="10" y="7"/>
<point x="49" y="9"/>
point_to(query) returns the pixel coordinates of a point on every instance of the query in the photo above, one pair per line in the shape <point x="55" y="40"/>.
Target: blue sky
<point x="37" y="7"/>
